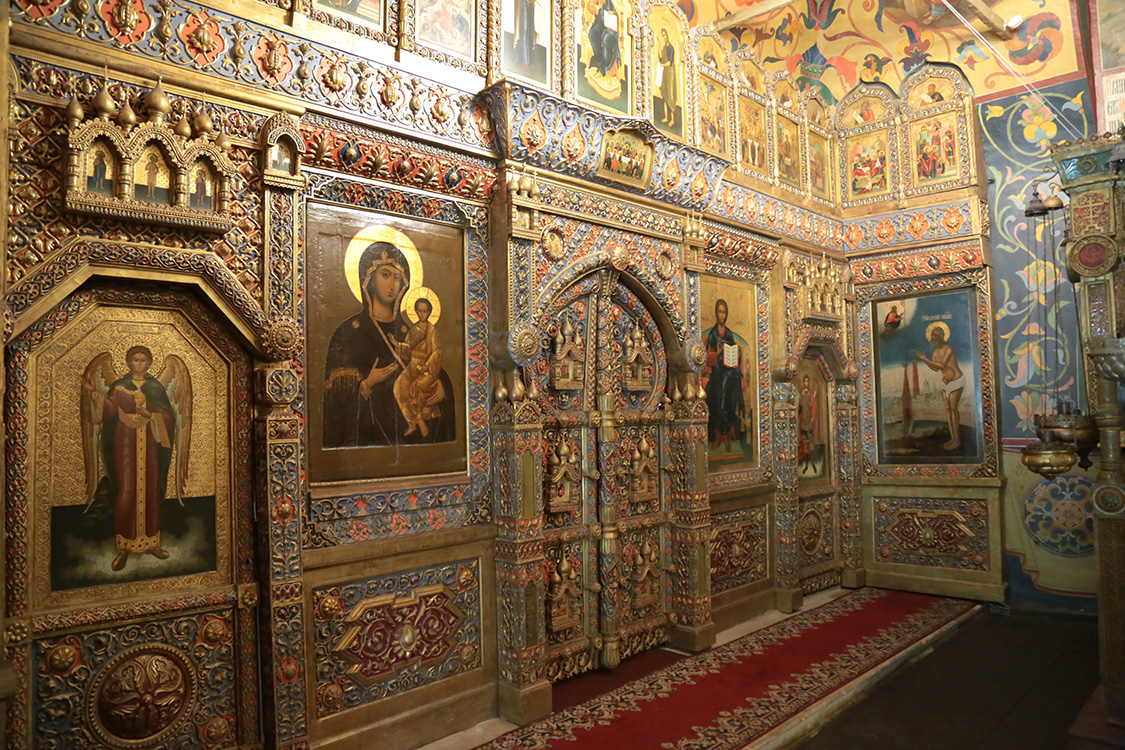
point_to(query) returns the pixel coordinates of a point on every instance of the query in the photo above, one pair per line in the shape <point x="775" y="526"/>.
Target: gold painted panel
<point x="131" y="460"/>
<point x="820" y="166"/>
<point x="814" y="440"/>
<point x="604" y="54"/>
<point x="864" y="110"/>
<point x="152" y="180"/>
<point x="448" y="24"/>
<point x="386" y="345"/>
<point x="527" y="40"/>
<point x="930" y="92"/>
<point x="625" y="157"/>
<point x="713" y="117"/>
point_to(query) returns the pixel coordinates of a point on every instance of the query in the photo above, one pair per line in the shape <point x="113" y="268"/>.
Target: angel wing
<point x="96" y="379"/>
<point x="177" y="383"/>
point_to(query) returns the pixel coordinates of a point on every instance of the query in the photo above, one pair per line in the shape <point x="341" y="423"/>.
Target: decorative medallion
<point x="332" y="697"/>
<point x="553" y="247"/>
<point x="671" y="176"/>
<point x="699" y="187"/>
<point x="272" y="57"/>
<point x="203" y="38"/>
<point x="141" y="696"/>
<point x="217" y="730"/>
<point x="619" y="257"/>
<point x="810" y="531"/>
<point x="697" y="353"/>
<point x="62" y="658"/>
<point x="919" y="225"/>
<point x="283" y="339"/>
<point x="1109" y="500"/>
<point x="533" y="133"/>
<point x="126" y="20"/>
<point x="1093" y="255"/>
<point x="1058" y="514"/>
<point x="214" y="631"/>
<point x="524" y="345"/>
<point x="665" y="264"/>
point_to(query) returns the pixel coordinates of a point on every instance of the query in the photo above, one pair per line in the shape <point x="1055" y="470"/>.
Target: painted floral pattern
<point x="1036" y="324"/>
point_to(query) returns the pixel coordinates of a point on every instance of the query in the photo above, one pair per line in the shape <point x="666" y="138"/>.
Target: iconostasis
<point x="372" y="363"/>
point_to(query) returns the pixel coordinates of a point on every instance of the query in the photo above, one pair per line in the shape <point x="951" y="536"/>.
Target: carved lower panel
<point x="385" y="635"/>
<point x="739" y="548"/>
<point x="817" y="530"/>
<point x="819" y="582"/>
<point x="935" y="532"/>
<point x="167" y="683"/>
<point x="582" y="656"/>
<point x="644" y="636"/>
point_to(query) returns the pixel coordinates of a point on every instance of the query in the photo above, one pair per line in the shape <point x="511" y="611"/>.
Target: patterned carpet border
<point x="784" y="697"/>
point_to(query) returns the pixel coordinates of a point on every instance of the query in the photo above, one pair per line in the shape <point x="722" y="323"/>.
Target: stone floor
<point x="1000" y="682"/>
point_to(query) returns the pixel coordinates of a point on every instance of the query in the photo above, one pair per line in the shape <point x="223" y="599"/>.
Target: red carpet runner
<point x="724" y="698"/>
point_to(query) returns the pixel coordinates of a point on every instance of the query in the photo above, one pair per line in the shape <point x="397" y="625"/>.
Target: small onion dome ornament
<point x="126" y="118"/>
<point x="223" y="142"/>
<point x="74" y="112"/>
<point x="202" y="124"/>
<point x="183" y="128"/>
<point x="157" y="104"/>
<point x="104" y="106"/>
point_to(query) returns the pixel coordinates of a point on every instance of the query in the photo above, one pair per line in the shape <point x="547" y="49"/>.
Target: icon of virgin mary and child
<point x="384" y="383"/>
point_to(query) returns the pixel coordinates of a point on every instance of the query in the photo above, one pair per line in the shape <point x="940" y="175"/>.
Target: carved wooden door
<point x="606" y="498"/>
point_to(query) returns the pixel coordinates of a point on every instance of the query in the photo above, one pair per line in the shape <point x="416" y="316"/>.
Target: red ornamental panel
<point x="940" y="533"/>
<point x="390" y="632"/>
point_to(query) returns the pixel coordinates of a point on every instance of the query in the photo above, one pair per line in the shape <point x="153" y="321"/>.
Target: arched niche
<point x="938" y="130"/>
<point x="869" y="145"/>
<point x="282" y="151"/>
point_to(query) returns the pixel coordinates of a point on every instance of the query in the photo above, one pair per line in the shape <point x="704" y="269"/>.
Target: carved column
<point x="1097" y="238"/>
<point x="787" y="563"/>
<point x="521" y="568"/>
<point x="847" y="477"/>
<point x="280" y="441"/>
<point x="692" y="626"/>
<point x="8" y="680"/>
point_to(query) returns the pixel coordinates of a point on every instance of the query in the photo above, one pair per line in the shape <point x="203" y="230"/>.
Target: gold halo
<point x="415" y="294"/>
<point x="938" y="324"/>
<point x="380" y="233"/>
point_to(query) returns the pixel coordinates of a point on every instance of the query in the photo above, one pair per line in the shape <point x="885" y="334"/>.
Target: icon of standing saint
<point x="133" y="424"/>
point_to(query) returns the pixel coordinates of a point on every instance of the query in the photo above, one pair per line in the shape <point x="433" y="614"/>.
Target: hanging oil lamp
<point x="1066" y="436"/>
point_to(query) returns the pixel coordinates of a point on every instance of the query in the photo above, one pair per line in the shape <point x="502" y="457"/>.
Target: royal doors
<point x="607" y="494"/>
